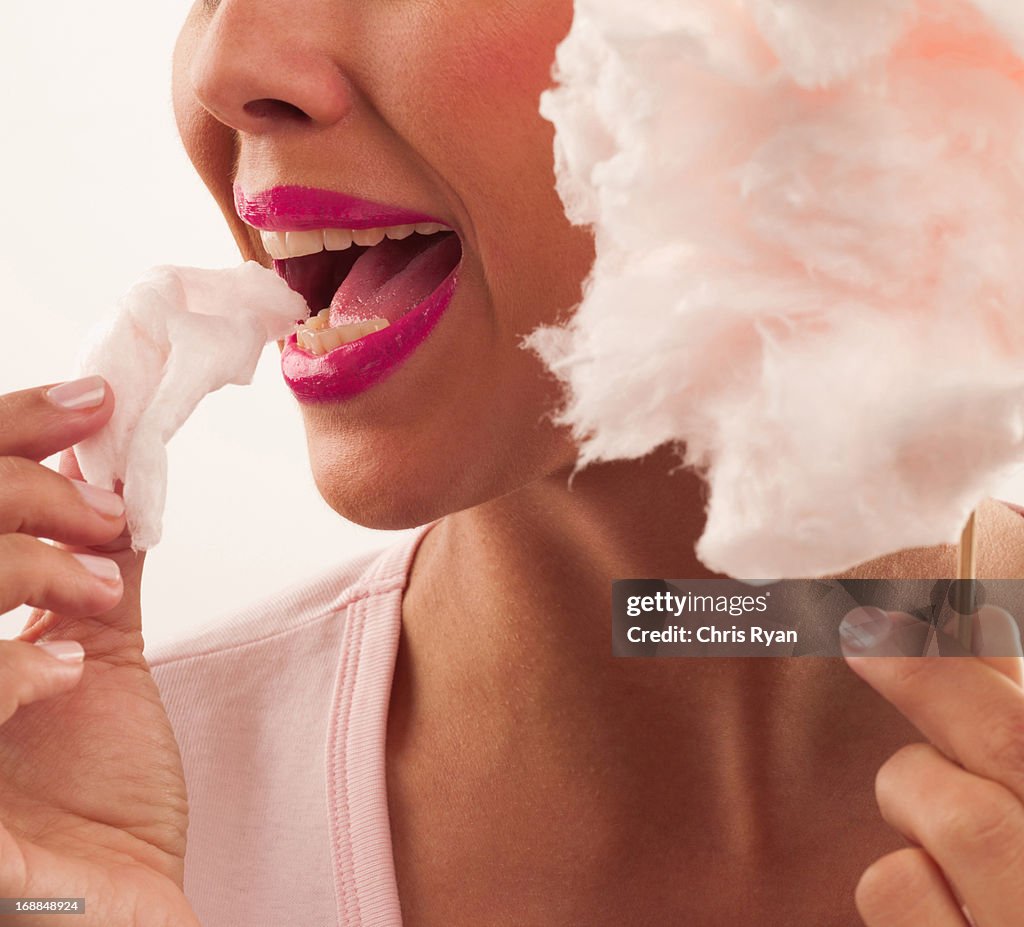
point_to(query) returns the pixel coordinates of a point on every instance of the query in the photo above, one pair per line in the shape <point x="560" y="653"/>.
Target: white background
<point x="96" y="189"/>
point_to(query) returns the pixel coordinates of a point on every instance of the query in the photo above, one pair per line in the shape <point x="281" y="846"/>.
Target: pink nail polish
<point x="102" y="500"/>
<point x="101" y="567"/>
<point x="75" y="395"/>
<point x="864" y="628"/>
<point x="67" y="651"/>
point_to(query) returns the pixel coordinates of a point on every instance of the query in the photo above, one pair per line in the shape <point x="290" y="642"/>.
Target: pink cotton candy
<point x="809" y="221"/>
<point x="178" y="334"/>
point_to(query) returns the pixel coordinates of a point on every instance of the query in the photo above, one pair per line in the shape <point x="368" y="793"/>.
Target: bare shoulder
<point x="1000" y="552"/>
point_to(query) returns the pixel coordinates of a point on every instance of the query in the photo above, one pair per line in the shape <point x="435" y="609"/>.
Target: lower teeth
<point x="318" y="337"/>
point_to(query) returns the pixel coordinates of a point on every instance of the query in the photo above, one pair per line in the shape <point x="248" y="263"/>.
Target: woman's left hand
<point x="959" y="799"/>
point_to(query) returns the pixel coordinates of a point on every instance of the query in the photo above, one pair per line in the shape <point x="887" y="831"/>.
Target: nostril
<point x="278" y="110"/>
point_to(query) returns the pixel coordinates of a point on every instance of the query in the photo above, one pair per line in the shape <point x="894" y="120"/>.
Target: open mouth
<point x="359" y="281"/>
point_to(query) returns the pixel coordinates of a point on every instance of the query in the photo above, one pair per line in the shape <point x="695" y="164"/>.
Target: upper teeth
<point x="281" y="245"/>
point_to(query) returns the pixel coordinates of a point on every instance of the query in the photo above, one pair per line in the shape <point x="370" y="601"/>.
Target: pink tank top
<point x="281" y="715"/>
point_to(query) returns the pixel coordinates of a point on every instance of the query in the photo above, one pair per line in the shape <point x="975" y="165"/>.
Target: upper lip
<point x="303" y="209"/>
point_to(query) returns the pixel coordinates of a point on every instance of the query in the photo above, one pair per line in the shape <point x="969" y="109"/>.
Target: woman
<point x="437" y="734"/>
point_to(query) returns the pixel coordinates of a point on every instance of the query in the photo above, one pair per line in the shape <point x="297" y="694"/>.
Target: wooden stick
<point x="967" y="573"/>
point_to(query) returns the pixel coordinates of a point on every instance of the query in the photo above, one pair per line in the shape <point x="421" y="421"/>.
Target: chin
<point x="387" y="487"/>
<point x="391" y="479"/>
<point x="381" y="511"/>
<point x="375" y="483"/>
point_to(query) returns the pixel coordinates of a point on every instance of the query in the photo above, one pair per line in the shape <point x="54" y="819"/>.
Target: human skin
<point x="608" y="773"/>
<point x="92" y="793"/>
<point x="532" y="778"/>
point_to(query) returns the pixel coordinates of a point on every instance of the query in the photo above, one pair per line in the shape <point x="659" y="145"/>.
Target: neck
<point x="509" y="609"/>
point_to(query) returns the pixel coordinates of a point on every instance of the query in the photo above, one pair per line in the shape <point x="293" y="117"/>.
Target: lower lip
<point x="355" y="367"/>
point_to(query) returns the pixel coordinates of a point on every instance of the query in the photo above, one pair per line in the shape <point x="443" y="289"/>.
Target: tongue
<point x="391" y="278"/>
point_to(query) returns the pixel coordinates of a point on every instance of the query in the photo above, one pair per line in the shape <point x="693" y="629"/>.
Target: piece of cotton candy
<point x="809" y="226"/>
<point x="178" y="334"/>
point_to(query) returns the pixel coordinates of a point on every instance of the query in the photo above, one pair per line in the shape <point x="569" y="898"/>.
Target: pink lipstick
<point x="354" y="261"/>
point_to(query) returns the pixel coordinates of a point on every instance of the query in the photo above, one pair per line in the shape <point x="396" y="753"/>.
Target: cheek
<point x="465" y="82"/>
<point x="480" y="85"/>
<point x="510" y="57"/>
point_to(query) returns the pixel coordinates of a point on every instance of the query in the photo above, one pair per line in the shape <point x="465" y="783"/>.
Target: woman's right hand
<point x="92" y="793"/>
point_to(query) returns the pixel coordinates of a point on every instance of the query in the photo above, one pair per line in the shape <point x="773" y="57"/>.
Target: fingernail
<point x="102" y="567"/>
<point x="86" y="393"/>
<point x="102" y="500"/>
<point x="68" y="651"/>
<point x="997" y="633"/>
<point x="863" y="629"/>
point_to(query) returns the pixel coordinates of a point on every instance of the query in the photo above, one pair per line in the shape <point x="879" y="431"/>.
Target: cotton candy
<point x="810" y="263"/>
<point x="178" y="334"/>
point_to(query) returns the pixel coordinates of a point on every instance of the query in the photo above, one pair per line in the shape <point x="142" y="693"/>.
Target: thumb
<point x="997" y="641"/>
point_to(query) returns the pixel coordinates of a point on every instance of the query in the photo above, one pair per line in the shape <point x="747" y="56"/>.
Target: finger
<point x="38" y="574"/>
<point x="33" y="618"/>
<point x="967" y="708"/>
<point x="996" y="638"/>
<point x="36" y="423"/>
<point x="906" y="889"/>
<point x="874" y="631"/>
<point x="113" y="634"/>
<point x="35" y="500"/>
<point x="29" y="672"/>
<point x="68" y="465"/>
<point x="972" y="827"/>
<point x="996" y="641"/>
<point x="69" y="468"/>
<point x="127" y="615"/>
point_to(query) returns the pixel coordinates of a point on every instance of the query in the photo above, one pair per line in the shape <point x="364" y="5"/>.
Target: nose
<point x="257" y="70"/>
